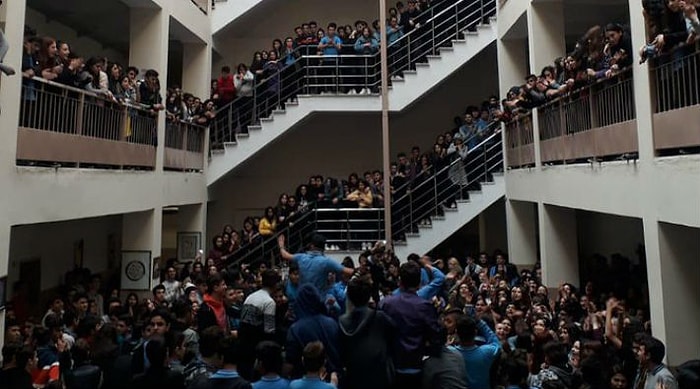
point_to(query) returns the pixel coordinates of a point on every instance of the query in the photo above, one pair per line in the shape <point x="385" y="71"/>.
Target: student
<point x="227" y="377"/>
<point x="269" y="365"/>
<point x="314" y="359"/>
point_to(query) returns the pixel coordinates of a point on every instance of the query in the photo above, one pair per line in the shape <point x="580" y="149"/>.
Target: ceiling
<point x="112" y="31"/>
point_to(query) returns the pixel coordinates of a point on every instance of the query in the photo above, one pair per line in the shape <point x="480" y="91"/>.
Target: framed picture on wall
<point x="136" y="270"/>
<point x="187" y="245"/>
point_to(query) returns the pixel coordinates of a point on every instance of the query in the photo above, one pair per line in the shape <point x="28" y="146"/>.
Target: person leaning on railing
<point x="149" y="92"/>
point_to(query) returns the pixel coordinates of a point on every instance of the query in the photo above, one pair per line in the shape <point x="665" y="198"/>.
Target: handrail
<point x="129" y="104"/>
<point x="586" y="87"/>
<point x="491" y="126"/>
<point x="451" y="165"/>
<point x="399" y="42"/>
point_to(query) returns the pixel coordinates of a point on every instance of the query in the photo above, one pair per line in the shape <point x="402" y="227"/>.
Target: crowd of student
<point x="366" y="191"/>
<point x="49" y="59"/>
<point x="604" y="52"/>
<point x="476" y="322"/>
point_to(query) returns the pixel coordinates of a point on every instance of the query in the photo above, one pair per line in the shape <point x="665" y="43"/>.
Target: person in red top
<point x="225" y="87"/>
<point x="213" y="311"/>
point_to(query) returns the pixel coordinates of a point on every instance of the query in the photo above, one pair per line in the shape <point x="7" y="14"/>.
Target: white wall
<point x="83" y="45"/>
<point x="53" y="244"/>
<point x="605" y="234"/>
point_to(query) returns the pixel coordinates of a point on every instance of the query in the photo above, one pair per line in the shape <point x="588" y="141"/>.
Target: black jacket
<point x="366" y="336"/>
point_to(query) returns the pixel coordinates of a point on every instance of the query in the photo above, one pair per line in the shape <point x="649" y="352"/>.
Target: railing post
<point x="456" y="21"/>
<point x="185" y="135"/>
<point x="254" y="114"/>
<point x="408" y="45"/>
<point x="432" y="18"/>
<point x="410" y="209"/>
<point x="79" y="115"/>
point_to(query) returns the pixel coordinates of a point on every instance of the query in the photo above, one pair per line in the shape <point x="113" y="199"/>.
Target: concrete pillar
<point x="546" y="32"/>
<point x="196" y="69"/>
<point x="643" y="102"/>
<point x="512" y="63"/>
<point x="5" y="232"/>
<point x="492" y="228"/>
<point x="148" y="49"/>
<point x="521" y="223"/>
<point x="12" y="13"/>
<point x="674" y="286"/>
<point x="558" y="245"/>
<point x="141" y="231"/>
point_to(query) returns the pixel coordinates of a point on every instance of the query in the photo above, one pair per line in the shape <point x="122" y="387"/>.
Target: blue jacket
<point x="360" y="45"/>
<point x="432" y="289"/>
<point x="478" y="359"/>
<point x="312" y="325"/>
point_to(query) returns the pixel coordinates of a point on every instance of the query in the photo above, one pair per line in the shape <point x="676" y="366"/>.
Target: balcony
<point x="184" y="146"/>
<point x="676" y="99"/>
<point x="62" y="126"/>
<point x="596" y="122"/>
<point x="520" y="142"/>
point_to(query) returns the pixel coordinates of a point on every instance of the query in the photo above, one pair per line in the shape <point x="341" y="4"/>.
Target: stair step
<point x="291" y="104"/>
<point x="464" y="201"/>
<point x="254" y="127"/>
<point x="218" y="151"/>
<point x="230" y="144"/>
<point x="409" y="72"/>
<point x="422" y="65"/>
<point x="400" y="243"/>
<point x="459" y="41"/>
<point x="450" y="209"/>
<point x="412" y="235"/>
<point x="471" y="33"/>
<point x="425" y="226"/>
<point x="267" y="120"/>
<point x="437" y="218"/>
<point x="243" y="135"/>
<point x="497" y="174"/>
<point x="443" y="49"/>
<point x="279" y="112"/>
<point x="487" y="183"/>
<point x="433" y="57"/>
<point x="475" y="192"/>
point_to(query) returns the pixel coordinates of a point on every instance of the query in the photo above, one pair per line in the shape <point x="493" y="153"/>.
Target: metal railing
<point x="74" y="116"/>
<point x="203" y="5"/>
<point x="676" y="77"/>
<point x="520" y="138"/>
<point x="184" y="146"/>
<point x="443" y="188"/>
<point x="50" y="106"/>
<point x="600" y="104"/>
<point x="314" y="74"/>
<point x="183" y="135"/>
<point x="349" y="228"/>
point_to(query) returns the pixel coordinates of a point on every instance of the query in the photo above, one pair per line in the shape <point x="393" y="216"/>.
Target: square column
<point x="492" y="228"/>
<point x="196" y="69"/>
<point x="13" y="14"/>
<point x="142" y="231"/>
<point x="546" y="32"/>
<point x="521" y="222"/>
<point x="5" y="231"/>
<point x="674" y="286"/>
<point x="558" y="244"/>
<point x="512" y="63"/>
<point x="643" y="100"/>
<point x="148" y="49"/>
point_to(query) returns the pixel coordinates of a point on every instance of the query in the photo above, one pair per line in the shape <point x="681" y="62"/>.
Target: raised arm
<point x="286" y="255"/>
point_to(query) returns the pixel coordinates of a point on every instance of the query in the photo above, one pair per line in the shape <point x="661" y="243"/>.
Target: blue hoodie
<point x="312" y="325"/>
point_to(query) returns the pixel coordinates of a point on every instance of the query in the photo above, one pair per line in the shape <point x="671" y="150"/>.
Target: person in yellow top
<point x="268" y="223"/>
<point x="362" y="195"/>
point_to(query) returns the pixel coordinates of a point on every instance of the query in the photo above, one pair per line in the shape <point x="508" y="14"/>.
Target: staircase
<point x="227" y="11"/>
<point x="449" y="198"/>
<point x="423" y="59"/>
